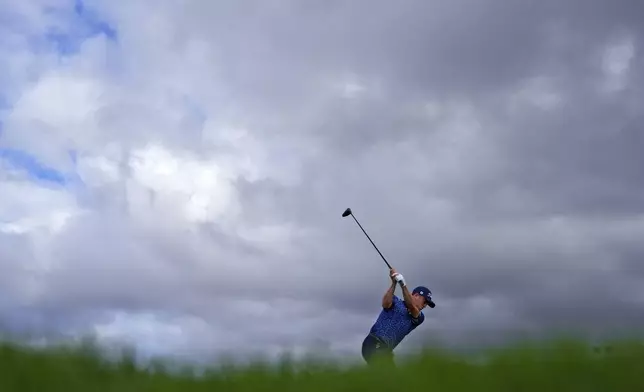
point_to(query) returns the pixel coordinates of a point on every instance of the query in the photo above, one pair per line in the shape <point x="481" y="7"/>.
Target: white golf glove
<point x="400" y="279"/>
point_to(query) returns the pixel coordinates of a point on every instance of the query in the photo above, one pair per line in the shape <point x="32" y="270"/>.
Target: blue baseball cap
<point x="426" y="293"/>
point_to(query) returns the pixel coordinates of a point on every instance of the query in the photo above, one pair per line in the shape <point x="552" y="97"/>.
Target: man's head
<point x="422" y="297"/>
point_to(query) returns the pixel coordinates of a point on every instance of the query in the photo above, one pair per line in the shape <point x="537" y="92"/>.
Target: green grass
<point x="558" y="365"/>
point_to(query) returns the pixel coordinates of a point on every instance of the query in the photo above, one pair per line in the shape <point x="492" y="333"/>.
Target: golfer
<point x="396" y="320"/>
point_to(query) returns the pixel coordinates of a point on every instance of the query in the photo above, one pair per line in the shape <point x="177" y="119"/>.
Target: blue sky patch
<point x="31" y="165"/>
<point x="83" y="24"/>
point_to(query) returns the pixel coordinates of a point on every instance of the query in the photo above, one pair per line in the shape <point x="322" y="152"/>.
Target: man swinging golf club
<point x="396" y="320"/>
<point x="398" y="317"/>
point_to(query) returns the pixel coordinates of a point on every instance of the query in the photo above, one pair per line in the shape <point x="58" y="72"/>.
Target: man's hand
<point x="392" y="274"/>
<point x="399" y="279"/>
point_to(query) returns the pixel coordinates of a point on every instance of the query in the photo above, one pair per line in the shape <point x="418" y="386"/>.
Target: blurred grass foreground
<point x="560" y="365"/>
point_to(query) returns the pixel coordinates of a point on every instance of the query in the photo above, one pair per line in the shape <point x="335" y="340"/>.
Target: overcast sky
<point x="173" y="173"/>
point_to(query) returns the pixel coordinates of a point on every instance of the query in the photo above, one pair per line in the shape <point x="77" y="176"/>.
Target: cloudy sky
<point x="173" y="173"/>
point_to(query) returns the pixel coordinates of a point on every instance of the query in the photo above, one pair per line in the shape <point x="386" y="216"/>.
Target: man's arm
<point x="388" y="298"/>
<point x="415" y="312"/>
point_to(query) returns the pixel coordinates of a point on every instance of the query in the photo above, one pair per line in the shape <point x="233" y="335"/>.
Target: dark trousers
<point x="376" y="351"/>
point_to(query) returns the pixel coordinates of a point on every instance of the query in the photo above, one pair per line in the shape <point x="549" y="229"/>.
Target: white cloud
<point x="55" y="115"/>
<point x="27" y="207"/>
<point x="616" y="62"/>
<point x="201" y="190"/>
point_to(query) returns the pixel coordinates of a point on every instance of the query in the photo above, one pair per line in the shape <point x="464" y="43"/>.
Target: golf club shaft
<point x="372" y="243"/>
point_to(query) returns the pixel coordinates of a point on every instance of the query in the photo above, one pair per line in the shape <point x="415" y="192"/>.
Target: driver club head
<point x="346" y="212"/>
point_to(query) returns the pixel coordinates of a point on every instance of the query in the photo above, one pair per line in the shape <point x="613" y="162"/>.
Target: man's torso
<point x="395" y="323"/>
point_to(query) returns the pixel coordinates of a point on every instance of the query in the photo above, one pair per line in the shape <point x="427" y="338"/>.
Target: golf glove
<point x="400" y="280"/>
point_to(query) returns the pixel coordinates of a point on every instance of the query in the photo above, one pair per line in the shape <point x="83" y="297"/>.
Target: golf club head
<point x="346" y="212"/>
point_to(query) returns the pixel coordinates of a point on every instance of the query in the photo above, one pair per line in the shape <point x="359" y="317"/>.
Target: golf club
<point x="348" y="212"/>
